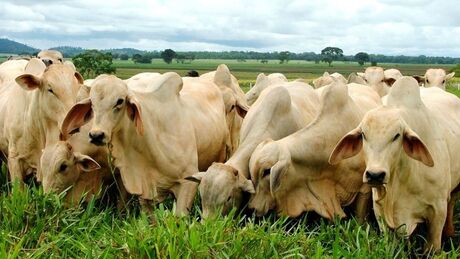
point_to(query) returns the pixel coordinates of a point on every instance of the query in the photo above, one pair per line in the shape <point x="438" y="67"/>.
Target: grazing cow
<point x="409" y="147"/>
<point x="192" y="73"/>
<point x="326" y="79"/>
<point x="278" y="112"/>
<point x="32" y="109"/>
<point x="263" y="82"/>
<point x="234" y="100"/>
<point x="435" y="77"/>
<point x="157" y="136"/>
<point x="292" y="175"/>
<point x="375" y="78"/>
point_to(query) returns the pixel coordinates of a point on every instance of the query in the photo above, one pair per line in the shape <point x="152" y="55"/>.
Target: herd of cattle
<point x="376" y="139"/>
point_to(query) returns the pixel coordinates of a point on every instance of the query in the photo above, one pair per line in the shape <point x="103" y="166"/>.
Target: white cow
<point x="31" y="110"/>
<point x="278" y="112"/>
<point x="409" y="147"/>
<point x="262" y="82"/>
<point x="435" y="77"/>
<point x="376" y="79"/>
<point x="327" y="78"/>
<point x="157" y="137"/>
<point x="292" y="174"/>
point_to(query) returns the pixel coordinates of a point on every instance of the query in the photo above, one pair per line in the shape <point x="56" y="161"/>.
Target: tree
<point x="330" y="54"/>
<point x="92" y="63"/>
<point x="168" y="55"/>
<point x="362" y="57"/>
<point x="264" y="61"/>
<point x="284" y="56"/>
<point x="124" y="56"/>
<point x="144" y="59"/>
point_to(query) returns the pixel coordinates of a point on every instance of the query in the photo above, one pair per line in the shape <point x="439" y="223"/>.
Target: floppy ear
<point x="449" y="76"/>
<point x="134" y="113"/>
<point x="78" y="116"/>
<point x="29" y="82"/>
<point x="79" y="78"/>
<point x="246" y="185"/>
<point x="415" y="148"/>
<point x="241" y="108"/>
<point x="348" y="146"/>
<point x="420" y="79"/>
<point x="389" y="81"/>
<point x="195" y="177"/>
<point x="86" y="163"/>
<point x="276" y="173"/>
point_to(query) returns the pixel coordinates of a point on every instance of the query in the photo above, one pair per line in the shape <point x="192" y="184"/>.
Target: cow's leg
<point x="185" y="194"/>
<point x="449" y="228"/>
<point x="15" y="170"/>
<point x="435" y="226"/>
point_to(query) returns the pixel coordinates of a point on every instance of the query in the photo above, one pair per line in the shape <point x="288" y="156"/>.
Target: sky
<point x="390" y="27"/>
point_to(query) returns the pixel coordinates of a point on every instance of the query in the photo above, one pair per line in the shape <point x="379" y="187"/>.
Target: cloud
<point x="412" y="27"/>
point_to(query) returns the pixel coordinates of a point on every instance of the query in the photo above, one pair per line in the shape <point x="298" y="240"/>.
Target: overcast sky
<point x="409" y="27"/>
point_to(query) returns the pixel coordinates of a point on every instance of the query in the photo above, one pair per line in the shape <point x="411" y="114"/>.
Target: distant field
<point x="251" y="68"/>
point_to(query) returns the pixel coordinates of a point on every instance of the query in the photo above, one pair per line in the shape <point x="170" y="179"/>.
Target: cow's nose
<point x="97" y="137"/>
<point x="47" y="62"/>
<point x="375" y="177"/>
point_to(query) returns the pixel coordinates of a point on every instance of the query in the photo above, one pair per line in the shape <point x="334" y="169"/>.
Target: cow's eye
<point x="427" y="81"/>
<point x="50" y="90"/>
<point x="364" y="136"/>
<point x="266" y="172"/>
<point x="62" y="167"/>
<point x="443" y="81"/>
<point x="119" y="102"/>
<point x="396" y="137"/>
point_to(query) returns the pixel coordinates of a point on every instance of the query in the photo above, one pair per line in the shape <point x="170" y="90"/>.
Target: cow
<point x="292" y="175"/>
<point x="409" y="146"/>
<point x="157" y="136"/>
<point x="32" y="109"/>
<point x="327" y="79"/>
<point x="263" y="82"/>
<point x="234" y="100"/>
<point x="435" y="77"/>
<point x="50" y="57"/>
<point x="376" y="79"/>
<point x="278" y="112"/>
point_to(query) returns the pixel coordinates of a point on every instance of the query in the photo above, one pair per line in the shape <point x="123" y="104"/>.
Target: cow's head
<point x="221" y="189"/>
<point x="50" y="57"/>
<point x="109" y="103"/>
<point x="375" y="78"/>
<point x="61" y="167"/>
<point x="57" y="89"/>
<point x="435" y="77"/>
<point x="384" y="137"/>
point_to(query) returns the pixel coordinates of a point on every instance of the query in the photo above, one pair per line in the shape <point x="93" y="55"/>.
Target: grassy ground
<point x="36" y="225"/>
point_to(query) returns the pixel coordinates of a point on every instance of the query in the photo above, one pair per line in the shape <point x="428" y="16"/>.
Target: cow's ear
<point x="420" y="79"/>
<point x="276" y="172"/>
<point x="348" y="146"/>
<point x="389" y="81"/>
<point x="449" y="76"/>
<point x="415" y="148"/>
<point x="86" y="163"/>
<point x="35" y="67"/>
<point x="195" y="177"/>
<point x="246" y="185"/>
<point x="241" y="108"/>
<point x="361" y="74"/>
<point x="79" y="78"/>
<point x="29" y="82"/>
<point x="134" y="113"/>
<point x="80" y="114"/>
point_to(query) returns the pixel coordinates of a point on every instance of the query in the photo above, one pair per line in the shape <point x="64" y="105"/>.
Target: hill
<point x="13" y="47"/>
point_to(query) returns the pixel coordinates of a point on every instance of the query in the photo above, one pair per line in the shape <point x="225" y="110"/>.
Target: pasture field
<point x="35" y="225"/>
